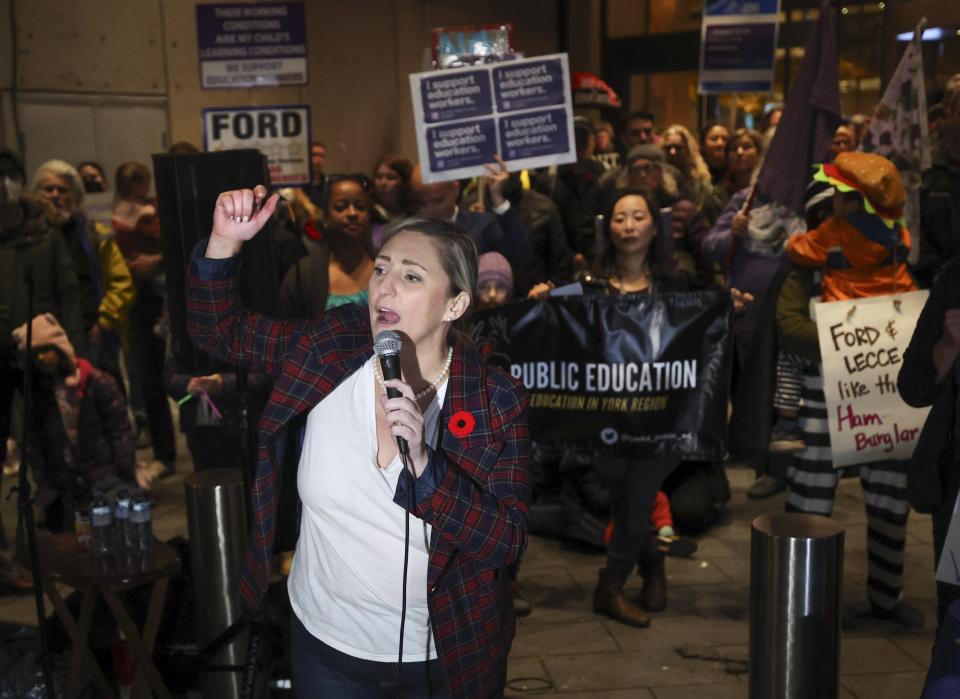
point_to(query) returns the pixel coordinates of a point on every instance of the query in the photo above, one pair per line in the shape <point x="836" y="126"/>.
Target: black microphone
<point x="387" y="346"/>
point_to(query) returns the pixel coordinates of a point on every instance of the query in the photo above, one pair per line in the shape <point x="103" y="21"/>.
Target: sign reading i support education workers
<point x="519" y="109"/>
<point x="255" y="45"/>
<point x="281" y="133"/>
<point x="737" y="43"/>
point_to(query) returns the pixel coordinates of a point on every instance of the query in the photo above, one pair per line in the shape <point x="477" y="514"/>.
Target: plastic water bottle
<point x="101" y="526"/>
<point x="121" y="519"/>
<point x="141" y="522"/>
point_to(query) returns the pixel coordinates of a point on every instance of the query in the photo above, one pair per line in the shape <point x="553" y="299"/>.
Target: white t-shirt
<point x="345" y="583"/>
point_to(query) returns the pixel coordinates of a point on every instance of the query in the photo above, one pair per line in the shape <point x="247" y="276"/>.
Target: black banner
<point x="637" y="375"/>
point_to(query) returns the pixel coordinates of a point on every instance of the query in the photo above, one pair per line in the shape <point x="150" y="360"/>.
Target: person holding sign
<point x="451" y="447"/>
<point x="863" y="247"/>
<point x="634" y="262"/>
<point x="501" y="231"/>
<point x="862" y="251"/>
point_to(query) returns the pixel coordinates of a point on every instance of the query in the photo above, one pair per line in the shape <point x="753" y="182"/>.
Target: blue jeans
<point x="322" y="672"/>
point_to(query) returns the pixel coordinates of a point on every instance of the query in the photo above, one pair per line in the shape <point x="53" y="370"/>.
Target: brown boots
<point x="609" y="599"/>
<point x="653" y="594"/>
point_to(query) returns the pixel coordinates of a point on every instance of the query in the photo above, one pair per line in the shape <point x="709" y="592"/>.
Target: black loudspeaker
<point x="187" y="189"/>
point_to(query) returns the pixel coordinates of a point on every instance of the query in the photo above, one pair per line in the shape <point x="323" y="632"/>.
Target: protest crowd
<point x="647" y="208"/>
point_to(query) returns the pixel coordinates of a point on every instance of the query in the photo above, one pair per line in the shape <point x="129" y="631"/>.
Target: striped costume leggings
<point x="790" y="368"/>
<point x="813" y="483"/>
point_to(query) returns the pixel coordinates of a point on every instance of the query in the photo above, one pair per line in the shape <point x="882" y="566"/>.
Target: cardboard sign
<point x="862" y="344"/>
<point x="737" y="43"/>
<point x="281" y="133"/>
<point x="252" y="45"/>
<point x="519" y="109"/>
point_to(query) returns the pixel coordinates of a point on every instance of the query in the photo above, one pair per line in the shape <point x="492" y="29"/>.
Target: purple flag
<point x="810" y="116"/>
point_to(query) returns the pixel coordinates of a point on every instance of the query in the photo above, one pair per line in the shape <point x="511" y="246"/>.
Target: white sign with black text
<point x="281" y="133"/>
<point x="862" y="342"/>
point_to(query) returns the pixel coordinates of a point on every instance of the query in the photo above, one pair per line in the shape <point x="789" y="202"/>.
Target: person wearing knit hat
<point x="48" y="335"/>
<point x="862" y="251"/>
<point x="863" y="247"/>
<point x="646" y="151"/>
<point x="79" y="432"/>
<point x="494" y="280"/>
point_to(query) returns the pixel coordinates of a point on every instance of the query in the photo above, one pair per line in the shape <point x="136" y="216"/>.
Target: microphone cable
<point x="406" y="561"/>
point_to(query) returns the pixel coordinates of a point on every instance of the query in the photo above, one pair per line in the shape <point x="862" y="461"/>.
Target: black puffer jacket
<point x="939" y="219"/>
<point x="35" y="245"/>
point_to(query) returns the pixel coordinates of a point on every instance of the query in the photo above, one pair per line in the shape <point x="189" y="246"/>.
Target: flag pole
<point x="918" y="32"/>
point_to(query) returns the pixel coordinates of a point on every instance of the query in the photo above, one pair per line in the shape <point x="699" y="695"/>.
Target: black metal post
<point x="25" y="521"/>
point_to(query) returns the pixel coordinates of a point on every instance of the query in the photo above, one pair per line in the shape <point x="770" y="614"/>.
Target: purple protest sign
<point x="530" y="85"/>
<point x="737" y="44"/>
<point x="460" y="145"/>
<point x="739" y="47"/>
<point x="533" y="134"/>
<point x="252" y="45"/>
<point x="462" y="95"/>
<point x="520" y="110"/>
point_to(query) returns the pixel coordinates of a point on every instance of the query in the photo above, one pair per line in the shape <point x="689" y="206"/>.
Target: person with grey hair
<point x="106" y="288"/>
<point x="940" y="193"/>
<point x="28" y="241"/>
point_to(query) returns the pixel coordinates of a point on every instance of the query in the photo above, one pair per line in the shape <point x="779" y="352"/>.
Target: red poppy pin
<point x="461" y="423"/>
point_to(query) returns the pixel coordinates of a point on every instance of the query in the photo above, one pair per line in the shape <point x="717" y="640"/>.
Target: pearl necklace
<point x="432" y="387"/>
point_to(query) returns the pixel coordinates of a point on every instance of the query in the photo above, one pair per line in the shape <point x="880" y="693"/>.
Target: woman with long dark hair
<point x="713" y="144"/>
<point x="339" y="259"/>
<point x="636" y="256"/>
<point x="393" y="197"/>
<point x="636" y="260"/>
<point x="464" y="480"/>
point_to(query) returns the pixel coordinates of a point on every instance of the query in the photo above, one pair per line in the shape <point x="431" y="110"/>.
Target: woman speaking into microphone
<point x="465" y="481"/>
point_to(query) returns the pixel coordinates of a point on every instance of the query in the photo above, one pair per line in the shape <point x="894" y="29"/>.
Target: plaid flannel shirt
<point x="474" y="491"/>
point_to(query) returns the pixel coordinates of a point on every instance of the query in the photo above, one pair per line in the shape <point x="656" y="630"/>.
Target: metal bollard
<point x="796" y="583"/>
<point x="217" y="524"/>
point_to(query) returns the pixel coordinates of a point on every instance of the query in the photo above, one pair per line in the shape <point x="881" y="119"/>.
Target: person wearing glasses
<point x="339" y="259"/>
<point x="648" y="171"/>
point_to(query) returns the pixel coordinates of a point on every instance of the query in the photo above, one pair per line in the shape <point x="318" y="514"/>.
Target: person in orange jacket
<point x="863" y="247"/>
<point x="862" y="251"/>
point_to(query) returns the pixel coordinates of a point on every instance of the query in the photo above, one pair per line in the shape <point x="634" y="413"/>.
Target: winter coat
<point x="936" y="449"/>
<point x="939" y="218"/>
<point x="550" y="258"/>
<point x="36" y="246"/>
<point x="796" y="330"/>
<point x="104" y="449"/>
<point x="855" y="264"/>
